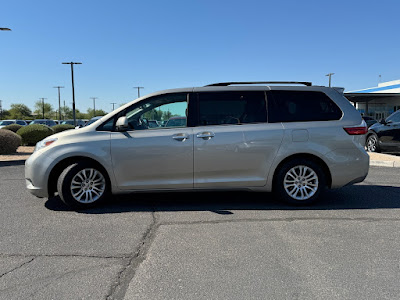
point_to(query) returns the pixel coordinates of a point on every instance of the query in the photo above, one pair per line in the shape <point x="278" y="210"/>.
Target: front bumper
<point x="37" y="169"/>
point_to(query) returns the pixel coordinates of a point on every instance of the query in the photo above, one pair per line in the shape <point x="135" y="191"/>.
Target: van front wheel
<point x="82" y="185"/>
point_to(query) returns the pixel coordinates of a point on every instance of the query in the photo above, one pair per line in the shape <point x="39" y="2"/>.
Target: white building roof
<point x="383" y="87"/>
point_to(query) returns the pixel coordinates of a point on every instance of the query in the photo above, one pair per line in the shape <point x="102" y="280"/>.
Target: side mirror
<point x="382" y="121"/>
<point x="122" y="124"/>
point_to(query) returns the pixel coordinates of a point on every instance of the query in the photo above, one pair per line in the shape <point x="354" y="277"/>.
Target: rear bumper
<point x="348" y="166"/>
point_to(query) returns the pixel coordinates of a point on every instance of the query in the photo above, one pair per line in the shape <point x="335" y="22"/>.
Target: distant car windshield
<point x="92" y="120"/>
<point x="178" y="122"/>
<point x="69" y="122"/>
<point x="39" y="122"/>
<point x="4" y="123"/>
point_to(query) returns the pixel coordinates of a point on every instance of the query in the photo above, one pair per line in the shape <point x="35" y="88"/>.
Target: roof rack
<point x="259" y="82"/>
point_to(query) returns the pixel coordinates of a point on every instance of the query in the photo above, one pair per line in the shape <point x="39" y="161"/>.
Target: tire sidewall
<point x="64" y="184"/>
<point x="279" y="186"/>
<point x="373" y="135"/>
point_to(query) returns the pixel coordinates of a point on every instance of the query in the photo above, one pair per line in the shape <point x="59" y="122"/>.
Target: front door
<point x="157" y="151"/>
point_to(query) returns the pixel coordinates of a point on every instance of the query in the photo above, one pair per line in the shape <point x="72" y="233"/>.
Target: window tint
<point x="164" y="111"/>
<point x="394" y="117"/>
<point x="231" y="108"/>
<point x="301" y="106"/>
<point x="20" y="122"/>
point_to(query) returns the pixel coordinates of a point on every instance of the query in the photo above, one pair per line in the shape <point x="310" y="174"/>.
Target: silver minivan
<point x="294" y="139"/>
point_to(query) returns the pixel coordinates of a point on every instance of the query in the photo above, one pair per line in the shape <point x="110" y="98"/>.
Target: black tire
<point x="88" y="193"/>
<point x="371" y="143"/>
<point x="303" y="189"/>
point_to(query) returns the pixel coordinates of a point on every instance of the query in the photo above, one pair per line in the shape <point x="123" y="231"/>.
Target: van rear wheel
<point x="300" y="181"/>
<point x="82" y="185"/>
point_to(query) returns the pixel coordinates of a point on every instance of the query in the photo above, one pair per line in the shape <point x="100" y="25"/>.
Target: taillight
<point x="357" y="130"/>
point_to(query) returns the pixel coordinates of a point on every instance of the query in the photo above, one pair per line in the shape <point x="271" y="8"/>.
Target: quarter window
<point x="301" y="106"/>
<point x="222" y="108"/>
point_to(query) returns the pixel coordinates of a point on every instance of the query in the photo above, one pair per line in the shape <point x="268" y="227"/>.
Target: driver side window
<point x="159" y="112"/>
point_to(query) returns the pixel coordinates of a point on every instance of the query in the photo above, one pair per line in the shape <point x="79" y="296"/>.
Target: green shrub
<point x="13" y="127"/>
<point x="34" y="133"/>
<point x="9" y="141"/>
<point x="62" y="127"/>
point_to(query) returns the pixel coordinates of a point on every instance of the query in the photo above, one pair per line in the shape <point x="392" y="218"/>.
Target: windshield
<point x="71" y="122"/>
<point x="38" y="122"/>
<point x="395" y="117"/>
<point x="6" y="122"/>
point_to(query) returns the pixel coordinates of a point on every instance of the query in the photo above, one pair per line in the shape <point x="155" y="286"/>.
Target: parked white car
<point x="5" y="123"/>
<point x="291" y="139"/>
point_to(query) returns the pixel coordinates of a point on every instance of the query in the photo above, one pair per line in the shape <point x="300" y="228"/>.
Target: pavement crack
<point x="122" y="256"/>
<point x="125" y="276"/>
<point x="18" y="267"/>
<point x="366" y="219"/>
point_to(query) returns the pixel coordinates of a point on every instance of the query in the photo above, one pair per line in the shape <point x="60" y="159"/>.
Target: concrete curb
<point x="8" y="163"/>
<point x="382" y="163"/>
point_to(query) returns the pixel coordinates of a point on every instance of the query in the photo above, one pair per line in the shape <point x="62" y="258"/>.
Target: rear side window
<point x="301" y="106"/>
<point x="220" y="108"/>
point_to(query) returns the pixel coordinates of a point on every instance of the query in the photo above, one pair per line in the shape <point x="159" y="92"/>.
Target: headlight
<point x="44" y="143"/>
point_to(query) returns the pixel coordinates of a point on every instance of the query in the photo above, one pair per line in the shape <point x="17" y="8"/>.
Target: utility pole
<point x="1" y="110"/>
<point x="64" y="111"/>
<point x="59" y="102"/>
<point x="42" y="106"/>
<point x="73" y="89"/>
<point x="329" y="75"/>
<point x="94" y="105"/>
<point x="138" y="90"/>
<point x="113" y="103"/>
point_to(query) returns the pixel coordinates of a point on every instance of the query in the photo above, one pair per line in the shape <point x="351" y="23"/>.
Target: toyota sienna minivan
<point x="291" y="138"/>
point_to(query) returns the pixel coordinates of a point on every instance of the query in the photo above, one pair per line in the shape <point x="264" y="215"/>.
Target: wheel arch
<point x="61" y="165"/>
<point x="306" y="156"/>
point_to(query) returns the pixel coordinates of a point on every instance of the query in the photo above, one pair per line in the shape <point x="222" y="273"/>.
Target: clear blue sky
<point x="169" y="44"/>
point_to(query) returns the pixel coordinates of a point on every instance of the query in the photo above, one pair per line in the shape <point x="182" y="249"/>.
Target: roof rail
<point x="259" y="82"/>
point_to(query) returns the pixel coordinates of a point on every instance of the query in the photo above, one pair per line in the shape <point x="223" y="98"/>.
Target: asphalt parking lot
<point x="202" y="245"/>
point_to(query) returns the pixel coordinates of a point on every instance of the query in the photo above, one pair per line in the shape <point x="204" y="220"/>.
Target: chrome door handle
<point x="205" y="135"/>
<point x="181" y="137"/>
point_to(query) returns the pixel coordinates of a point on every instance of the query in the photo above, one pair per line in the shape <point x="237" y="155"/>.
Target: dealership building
<point x="377" y="102"/>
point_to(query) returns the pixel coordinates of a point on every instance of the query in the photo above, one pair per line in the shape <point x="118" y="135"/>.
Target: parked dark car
<point x="385" y="135"/>
<point x="92" y="120"/>
<point x="49" y="123"/>
<point x="369" y="120"/>
<point x="79" y="122"/>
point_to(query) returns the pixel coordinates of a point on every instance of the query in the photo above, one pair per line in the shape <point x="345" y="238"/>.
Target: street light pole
<point x="73" y="89"/>
<point x="138" y="90"/>
<point x="94" y="105"/>
<point x="59" y="101"/>
<point x="329" y="75"/>
<point x="42" y="106"/>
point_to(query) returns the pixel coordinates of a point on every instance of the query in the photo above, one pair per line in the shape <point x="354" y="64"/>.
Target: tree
<point x="41" y="106"/>
<point x="99" y="112"/>
<point x="20" y="111"/>
<point x="4" y="114"/>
